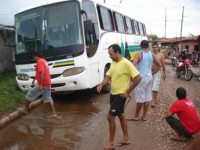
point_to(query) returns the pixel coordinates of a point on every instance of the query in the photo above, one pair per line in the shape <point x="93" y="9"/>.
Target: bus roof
<point x="47" y="2"/>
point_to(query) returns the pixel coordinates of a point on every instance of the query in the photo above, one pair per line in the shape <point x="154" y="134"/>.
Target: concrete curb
<point x="17" y="113"/>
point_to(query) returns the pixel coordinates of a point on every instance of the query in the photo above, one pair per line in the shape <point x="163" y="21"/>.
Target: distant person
<point x="120" y="73"/>
<point x="188" y="122"/>
<point x="143" y="61"/>
<point x="43" y="86"/>
<point x="156" y="77"/>
<point x="183" y="55"/>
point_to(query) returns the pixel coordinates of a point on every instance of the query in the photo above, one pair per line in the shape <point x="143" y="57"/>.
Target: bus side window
<point x="91" y="28"/>
<point x="90" y="37"/>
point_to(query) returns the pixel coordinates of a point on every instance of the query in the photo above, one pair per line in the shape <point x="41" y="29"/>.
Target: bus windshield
<point x="54" y="30"/>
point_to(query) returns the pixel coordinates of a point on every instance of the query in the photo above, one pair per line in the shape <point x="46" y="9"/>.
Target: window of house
<point x="196" y="48"/>
<point x="187" y="48"/>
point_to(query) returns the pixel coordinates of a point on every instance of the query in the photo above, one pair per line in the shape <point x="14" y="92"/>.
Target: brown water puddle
<point x="35" y="131"/>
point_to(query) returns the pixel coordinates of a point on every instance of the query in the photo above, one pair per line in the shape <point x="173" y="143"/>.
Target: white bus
<point x="73" y="36"/>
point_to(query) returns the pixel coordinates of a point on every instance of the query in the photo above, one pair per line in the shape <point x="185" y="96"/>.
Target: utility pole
<point x="181" y="29"/>
<point x="165" y="22"/>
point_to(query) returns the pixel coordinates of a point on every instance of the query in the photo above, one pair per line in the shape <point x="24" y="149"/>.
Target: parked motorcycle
<point x="182" y="68"/>
<point x="173" y="60"/>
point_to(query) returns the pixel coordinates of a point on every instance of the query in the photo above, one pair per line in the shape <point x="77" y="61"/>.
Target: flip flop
<point x="144" y="119"/>
<point x="122" y="143"/>
<point x="132" y="119"/>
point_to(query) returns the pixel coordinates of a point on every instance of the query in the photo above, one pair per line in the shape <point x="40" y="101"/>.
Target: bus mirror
<point x="83" y="12"/>
<point x="88" y="27"/>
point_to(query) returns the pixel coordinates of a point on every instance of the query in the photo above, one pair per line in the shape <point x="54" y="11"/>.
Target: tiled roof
<point x="177" y="39"/>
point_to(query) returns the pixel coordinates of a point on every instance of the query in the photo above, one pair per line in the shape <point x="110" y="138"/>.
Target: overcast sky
<point x="150" y="12"/>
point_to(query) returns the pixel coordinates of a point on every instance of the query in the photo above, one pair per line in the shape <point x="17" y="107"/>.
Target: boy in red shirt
<point x="43" y="86"/>
<point x="188" y="122"/>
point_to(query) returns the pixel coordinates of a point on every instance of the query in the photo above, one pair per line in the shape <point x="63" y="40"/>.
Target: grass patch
<point x="10" y="96"/>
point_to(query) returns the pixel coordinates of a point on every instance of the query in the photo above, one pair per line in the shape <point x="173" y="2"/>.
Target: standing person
<point x="188" y="122"/>
<point x="120" y="72"/>
<point x="43" y="86"/>
<point x="143" y="61"/>
<point x="156" y="77"/>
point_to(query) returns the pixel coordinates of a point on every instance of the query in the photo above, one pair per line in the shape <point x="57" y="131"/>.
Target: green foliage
<point x="154" y="38"/>
<point x="10" y="96"/>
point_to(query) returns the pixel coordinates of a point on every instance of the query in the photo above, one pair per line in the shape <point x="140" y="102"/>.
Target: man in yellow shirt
<point x="120" y="73"/>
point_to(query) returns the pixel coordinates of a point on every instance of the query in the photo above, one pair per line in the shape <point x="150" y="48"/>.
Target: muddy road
<point x="82" y="123"/>
<point x="78" y="114"/>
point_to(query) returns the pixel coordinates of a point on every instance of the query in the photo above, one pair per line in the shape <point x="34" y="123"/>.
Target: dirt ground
<point x="153" y="134"/>
<point x="82" y="123"/>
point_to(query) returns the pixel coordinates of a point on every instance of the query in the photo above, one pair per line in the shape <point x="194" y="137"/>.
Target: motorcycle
<point x="173" y="60"/>
<point x="182" y="68"/>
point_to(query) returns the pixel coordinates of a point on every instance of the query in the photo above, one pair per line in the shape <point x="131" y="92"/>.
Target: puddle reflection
<point x="35" y="131"/>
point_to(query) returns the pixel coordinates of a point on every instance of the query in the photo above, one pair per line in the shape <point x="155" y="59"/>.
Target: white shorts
<point x="143" y="91"/>
<point x="156" y="81"/>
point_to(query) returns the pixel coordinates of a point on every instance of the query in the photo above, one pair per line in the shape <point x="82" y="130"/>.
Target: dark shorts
<point x="116" y="105"/>
<point x="176" y="124"/>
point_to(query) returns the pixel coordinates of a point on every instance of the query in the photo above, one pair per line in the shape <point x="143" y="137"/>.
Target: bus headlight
<point x="22" y="77"/>
<point x="73" y="71"/>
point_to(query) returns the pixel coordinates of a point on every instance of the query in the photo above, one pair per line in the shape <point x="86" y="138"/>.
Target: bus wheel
<point x="106" y="88"/>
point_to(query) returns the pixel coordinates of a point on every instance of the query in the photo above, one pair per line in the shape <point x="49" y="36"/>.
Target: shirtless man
<point x="157" y="76"/>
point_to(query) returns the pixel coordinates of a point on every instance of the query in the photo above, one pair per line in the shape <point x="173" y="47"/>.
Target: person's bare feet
<point x="109" y="146"/>
<point x="122" y="143"/>
<point x="132" y="119"/>
<point x="153" y="105"/>
<point x="23" y="110"/>
<point x="52" y="116"/>
<point x="144" y="118"/>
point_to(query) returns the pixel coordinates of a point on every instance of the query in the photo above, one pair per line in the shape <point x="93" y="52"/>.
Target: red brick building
<point x="190" y="43"/>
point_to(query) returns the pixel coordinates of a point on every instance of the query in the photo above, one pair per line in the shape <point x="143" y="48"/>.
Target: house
<point x="191" y="43"/>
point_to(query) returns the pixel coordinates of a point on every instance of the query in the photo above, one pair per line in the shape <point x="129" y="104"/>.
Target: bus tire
<point x="106" y="87"/>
